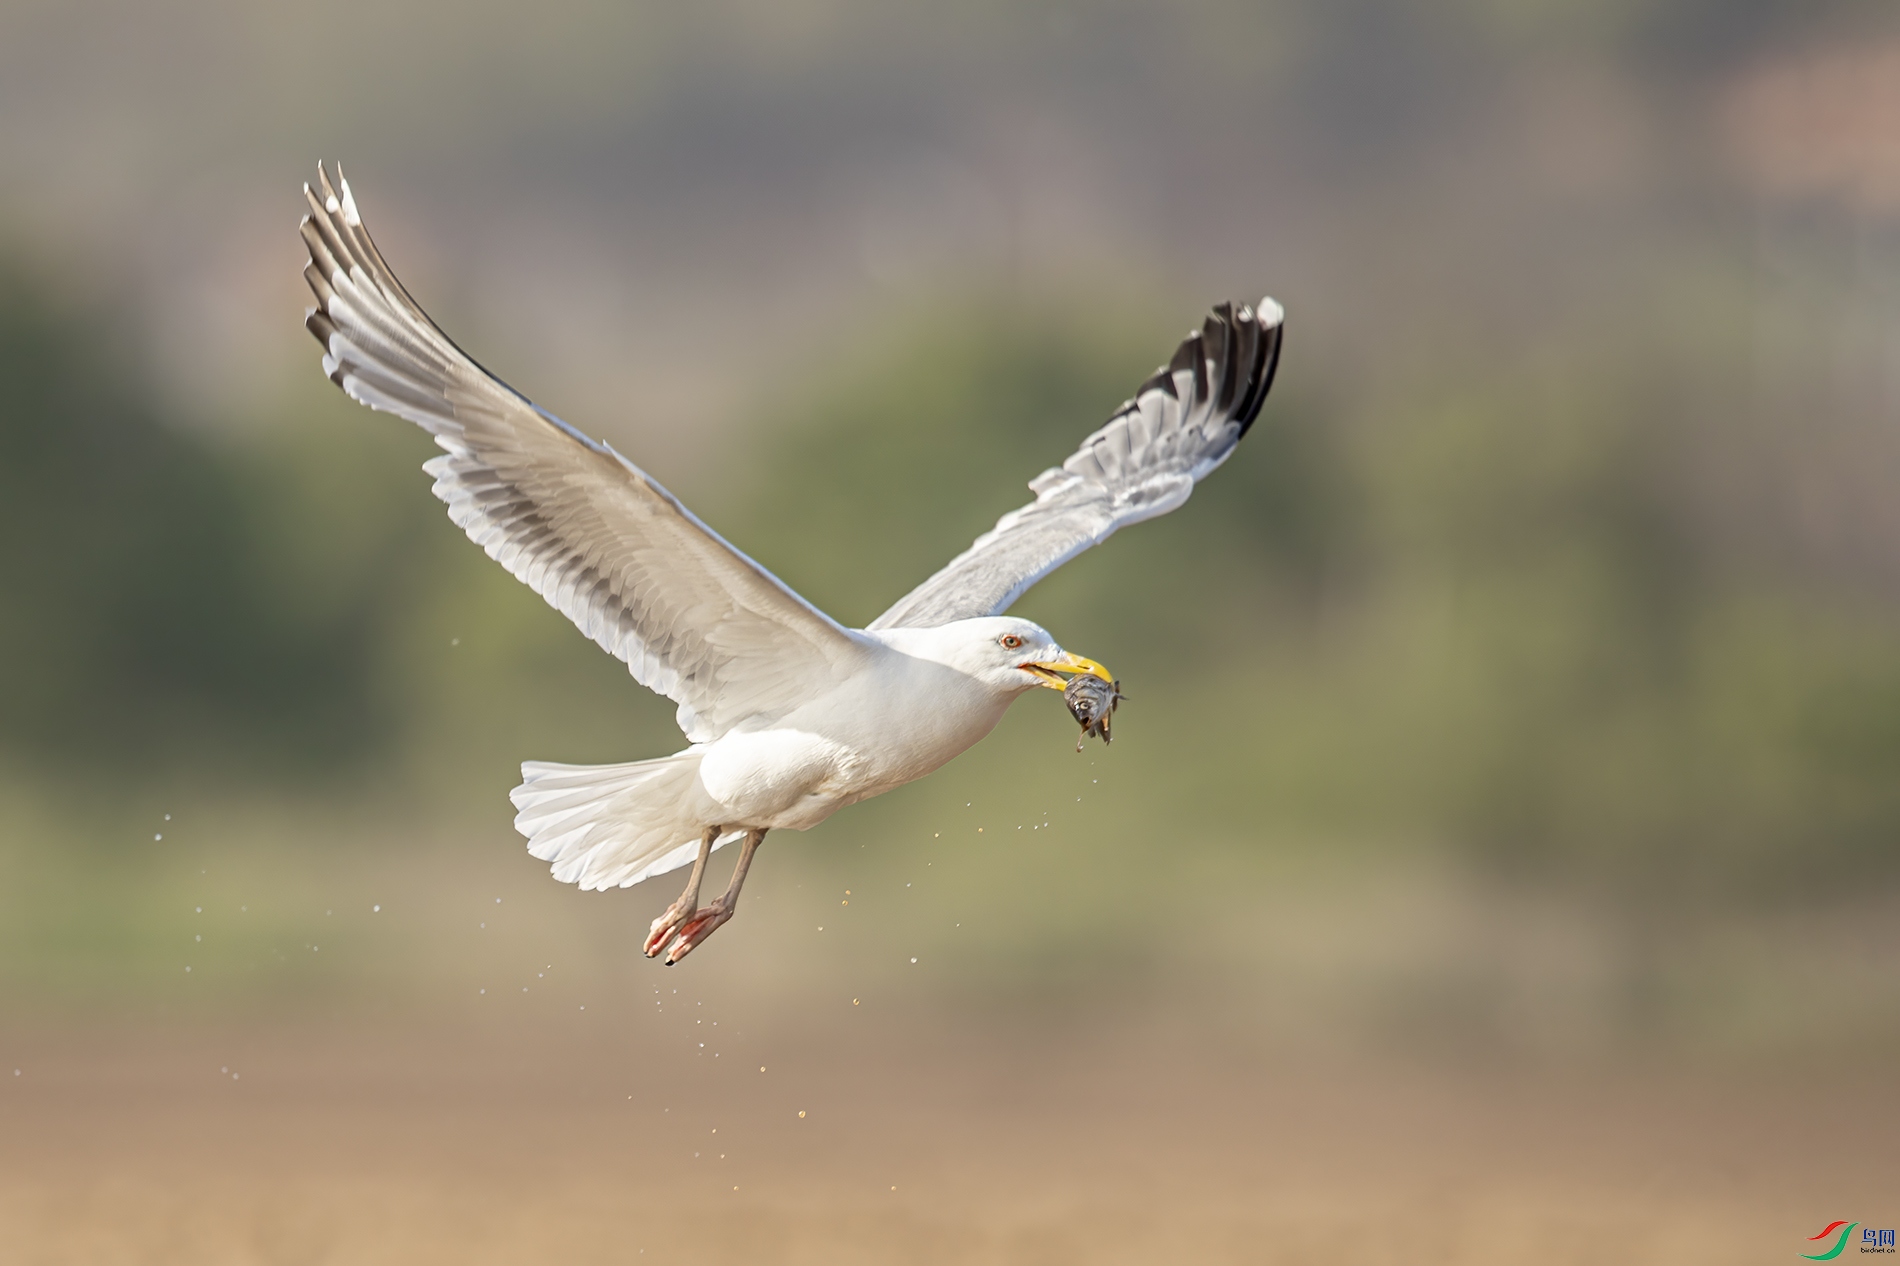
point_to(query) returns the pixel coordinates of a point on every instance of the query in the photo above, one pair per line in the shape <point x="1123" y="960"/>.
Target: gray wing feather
<point x="693" y="618"/>
<point x="1182" y="423"/>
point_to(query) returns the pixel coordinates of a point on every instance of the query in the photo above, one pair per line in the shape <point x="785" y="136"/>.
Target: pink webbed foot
<point x="667" y="924"/>
<point x="696" y="929"/>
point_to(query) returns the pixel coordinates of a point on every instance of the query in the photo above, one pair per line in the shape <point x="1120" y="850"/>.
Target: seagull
<point x="788" y="715"/>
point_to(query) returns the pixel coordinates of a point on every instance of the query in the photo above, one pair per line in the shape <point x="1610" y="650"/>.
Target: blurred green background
<point x="1529" y="681"/>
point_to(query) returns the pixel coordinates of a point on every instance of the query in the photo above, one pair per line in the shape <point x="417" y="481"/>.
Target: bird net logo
<point x="1836" y="1235"/>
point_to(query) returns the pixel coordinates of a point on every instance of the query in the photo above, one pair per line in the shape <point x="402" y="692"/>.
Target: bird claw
<point x="664" y="926"/>
<point x="696" y="929"/>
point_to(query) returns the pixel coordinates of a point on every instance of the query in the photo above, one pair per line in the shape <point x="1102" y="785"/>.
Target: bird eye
<point x="1011" y="641"/>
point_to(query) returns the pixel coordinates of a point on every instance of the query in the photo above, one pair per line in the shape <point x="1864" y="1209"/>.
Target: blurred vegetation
<point x="272" y="610"/>
<point x="1491" y="614"/>
<point x="1485" y="615"/>
<point x="143" y="603"/>
<point x="1480" y="625"/>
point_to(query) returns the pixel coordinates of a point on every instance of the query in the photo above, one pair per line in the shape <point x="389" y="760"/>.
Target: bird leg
<point x="710" y="919"/>
<point x="683" y="909"/>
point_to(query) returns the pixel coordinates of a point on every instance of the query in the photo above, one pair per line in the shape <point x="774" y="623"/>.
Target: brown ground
<point x="562" y="1139"/>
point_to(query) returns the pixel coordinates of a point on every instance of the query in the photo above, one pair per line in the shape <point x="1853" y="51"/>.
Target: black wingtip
<point x="1238" y="346"/>
<point x="1264" y="323"/>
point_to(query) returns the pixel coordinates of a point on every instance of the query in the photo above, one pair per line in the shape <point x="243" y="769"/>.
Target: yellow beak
<point x="1049" y="670"/>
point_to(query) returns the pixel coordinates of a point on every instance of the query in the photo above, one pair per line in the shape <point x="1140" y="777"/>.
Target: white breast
<point x="756" y="777"/>
<point x="879" y="729"/>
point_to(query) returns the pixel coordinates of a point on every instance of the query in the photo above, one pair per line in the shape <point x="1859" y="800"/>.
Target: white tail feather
<point x="610" y="826"/>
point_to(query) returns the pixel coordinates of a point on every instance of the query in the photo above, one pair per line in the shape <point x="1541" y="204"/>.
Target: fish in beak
<point x="1092" y="702"/>
<point x="1049" y="671"/>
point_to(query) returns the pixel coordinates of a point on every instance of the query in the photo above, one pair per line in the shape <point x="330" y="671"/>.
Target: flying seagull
<point x="788" y="715"/>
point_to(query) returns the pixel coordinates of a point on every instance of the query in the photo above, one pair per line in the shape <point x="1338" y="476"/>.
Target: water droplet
<point x="168" y="817"/>
<point x="158" y="837"/>
<point x="913" y="960"/>
<point x="375" y="909"/>
<point x="801" y="1116"/>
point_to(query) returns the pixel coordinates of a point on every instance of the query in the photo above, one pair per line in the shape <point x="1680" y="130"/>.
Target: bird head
<point x="1010" y="654"/>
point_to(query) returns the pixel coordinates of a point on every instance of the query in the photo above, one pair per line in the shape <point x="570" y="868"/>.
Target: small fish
<point x="1091" y="702"/>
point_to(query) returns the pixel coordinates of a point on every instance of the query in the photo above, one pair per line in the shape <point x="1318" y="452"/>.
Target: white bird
<point x="789" y="716"/>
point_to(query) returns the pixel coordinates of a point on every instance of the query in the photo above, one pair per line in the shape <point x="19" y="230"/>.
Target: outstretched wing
<point x="608" y="547"/>
<point x="1181" y="425"/>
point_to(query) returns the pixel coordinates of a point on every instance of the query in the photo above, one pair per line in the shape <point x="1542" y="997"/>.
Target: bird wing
<point x="606" y="545"/>
<point x="1182" y="423"/>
